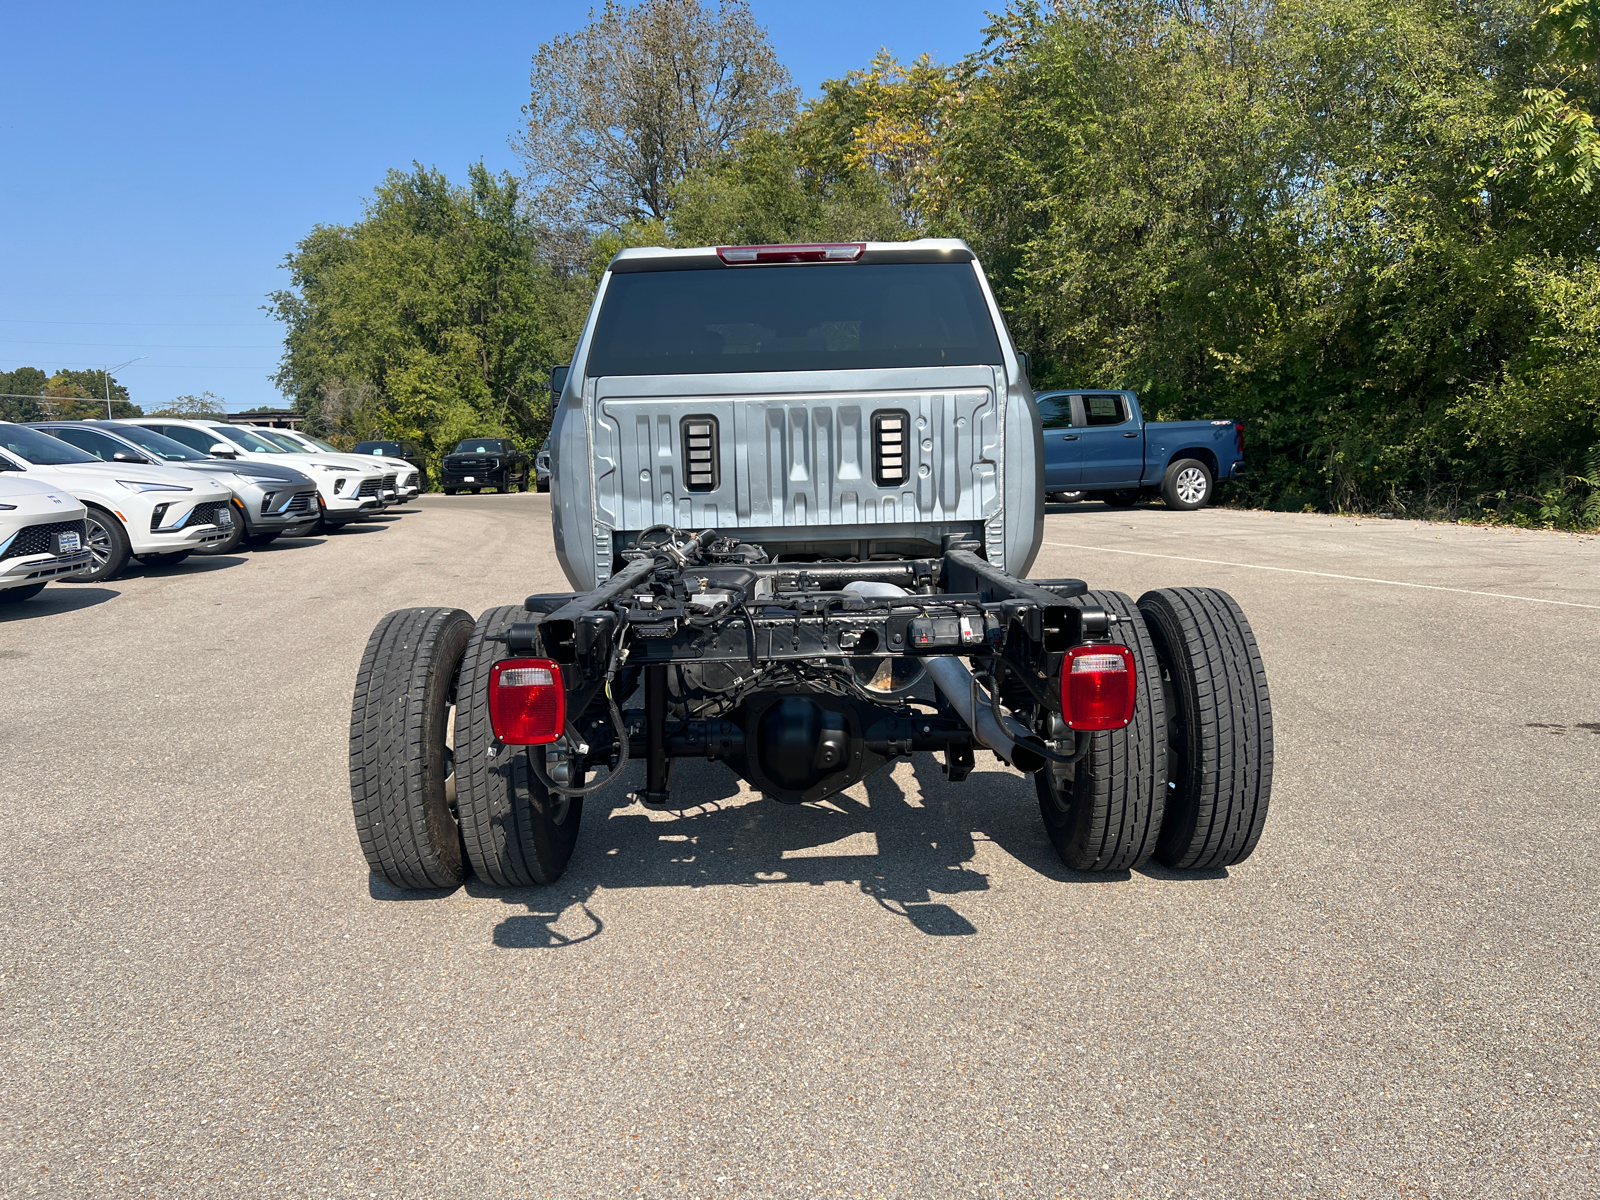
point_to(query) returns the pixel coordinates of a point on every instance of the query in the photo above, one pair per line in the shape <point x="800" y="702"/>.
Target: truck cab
<point x="833" y="403"/>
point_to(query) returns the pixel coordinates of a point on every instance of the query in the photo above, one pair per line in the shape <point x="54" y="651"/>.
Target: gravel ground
<point x="900" y="993"/>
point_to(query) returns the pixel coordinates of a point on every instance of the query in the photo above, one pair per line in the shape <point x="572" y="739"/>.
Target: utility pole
<point x="106" y="371"/>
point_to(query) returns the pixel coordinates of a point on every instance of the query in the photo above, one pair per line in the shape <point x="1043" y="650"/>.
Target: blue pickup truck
<point x="1098" y="446"/>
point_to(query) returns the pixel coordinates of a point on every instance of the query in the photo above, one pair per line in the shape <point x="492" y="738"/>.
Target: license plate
<point x="470" y="478"/>
<point x="68" y="543"/>
<point x="225" y="518"/>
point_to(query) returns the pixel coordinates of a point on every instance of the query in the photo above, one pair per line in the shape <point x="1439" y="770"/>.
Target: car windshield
<point x="247" y="439"/>
<point x="278" y="439"/>
<point x="481" y="446"/>
<point x="41" y="449"/>
<point x="392" y="449"/>
<point x="158" y="444"/>
<point x="792" y="318"/>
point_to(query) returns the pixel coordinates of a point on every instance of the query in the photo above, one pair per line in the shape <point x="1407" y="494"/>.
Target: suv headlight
<point x="140" y="485"/>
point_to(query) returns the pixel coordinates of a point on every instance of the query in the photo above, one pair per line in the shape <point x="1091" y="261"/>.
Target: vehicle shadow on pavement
<point x="1154" y="870"/>
<point x="1051" y="507"/>
<point x="278" y="545"/>
<point x="195" y="564"/>
<point x="904" y="854"/>
<point x="58" y="599"/>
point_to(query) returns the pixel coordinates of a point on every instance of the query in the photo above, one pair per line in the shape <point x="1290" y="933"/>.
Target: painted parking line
<point x="1216" y="562"/>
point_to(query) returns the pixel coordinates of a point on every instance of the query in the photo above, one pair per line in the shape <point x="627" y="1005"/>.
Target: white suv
<point x="157" y="514"/>
<point x="41" y="536"/>
<point x="346" y="491"/>
<point x="404" y="480"/>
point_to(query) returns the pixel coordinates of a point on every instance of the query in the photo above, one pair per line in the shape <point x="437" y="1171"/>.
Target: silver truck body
<point x="794" y="452"/>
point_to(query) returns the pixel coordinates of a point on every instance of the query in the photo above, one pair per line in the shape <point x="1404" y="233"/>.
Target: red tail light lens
<point x="1097" y="687"/>
<point x="527" y="701"/>
<point x="1238" y="436"/>
<point x="808" y="252"/>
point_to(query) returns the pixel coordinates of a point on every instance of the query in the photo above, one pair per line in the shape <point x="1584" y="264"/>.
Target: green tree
<point x="886" y="122"/>
<point x="432" y="318"/>
<point x="639" y="98"/>
<point x="1555" y="129"/>
<point x="17" y="391"/>
<point x="206" y="404"/>
<point x="767" y="193"/>
<point x="82" y="395"/>
<point x="1278" y="213"/>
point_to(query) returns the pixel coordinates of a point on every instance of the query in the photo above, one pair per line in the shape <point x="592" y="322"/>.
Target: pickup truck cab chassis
<point x="858" y="427"/>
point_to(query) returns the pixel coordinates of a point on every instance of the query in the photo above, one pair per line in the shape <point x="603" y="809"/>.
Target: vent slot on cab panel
<point x="891" y="447"/>
<point x="701" y="454"/>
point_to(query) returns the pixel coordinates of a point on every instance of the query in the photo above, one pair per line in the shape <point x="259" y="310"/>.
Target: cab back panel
<point x="796" y="461"/>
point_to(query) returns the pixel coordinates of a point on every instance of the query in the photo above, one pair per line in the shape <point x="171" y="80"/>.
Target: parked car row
<point x="79" y="499"/>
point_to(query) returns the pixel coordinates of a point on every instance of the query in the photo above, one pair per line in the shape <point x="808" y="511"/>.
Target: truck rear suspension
<point x="1146" y="728"/>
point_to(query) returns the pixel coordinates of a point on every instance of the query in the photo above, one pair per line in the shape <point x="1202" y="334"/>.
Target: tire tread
<point x="509" y="841"/>
<point x="1216" y="817"/>
<point x="406" y="833"/>
<point x="1118" y="787"/>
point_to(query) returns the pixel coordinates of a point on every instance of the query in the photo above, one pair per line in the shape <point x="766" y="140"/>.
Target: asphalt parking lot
<point x="900" y="993"/>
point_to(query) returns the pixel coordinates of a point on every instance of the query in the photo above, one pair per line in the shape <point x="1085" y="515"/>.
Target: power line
<point x="149" y="345"/>
<point x="147" y="324"/>
<point x="28" y="362"/>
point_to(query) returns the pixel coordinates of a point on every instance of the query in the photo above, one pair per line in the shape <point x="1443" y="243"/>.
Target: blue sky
<point x="162" y="159"/>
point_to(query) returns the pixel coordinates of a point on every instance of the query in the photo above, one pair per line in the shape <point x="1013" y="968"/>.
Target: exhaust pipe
<point x="969" y="698"/>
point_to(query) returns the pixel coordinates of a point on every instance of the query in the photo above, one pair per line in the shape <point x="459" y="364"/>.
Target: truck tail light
<point x="1238" y="436"/>
<point x="1097" y="687"/>
<point x="806" y="252"/>
<point x="527" y="701"/>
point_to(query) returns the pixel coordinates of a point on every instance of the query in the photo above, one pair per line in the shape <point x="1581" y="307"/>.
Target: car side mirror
<point x="558" y="379"/>
<point x="222" y="450"/>
<point x="124" y="456"/>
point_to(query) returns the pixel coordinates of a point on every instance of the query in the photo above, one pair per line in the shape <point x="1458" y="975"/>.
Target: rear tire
<point x="399" y="760"/>
<point x="13" y="595"/>
<point x="261" y="539"/>
<point x="449" y="491"/>
<point x="517" y="833"/>
<point x="1220" y="727"/>
<point x="1121" y="499"/>
<point x="1107" y="816"/>
<point x="108" y="548"/>
<point x="1187" y="485"/>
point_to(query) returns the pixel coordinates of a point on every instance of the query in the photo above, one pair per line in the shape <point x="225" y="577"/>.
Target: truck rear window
<point x="792" y="318"/>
